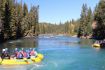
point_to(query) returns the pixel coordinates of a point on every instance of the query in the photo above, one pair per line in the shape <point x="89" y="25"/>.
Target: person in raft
<point x="33" y="53"/>
<point x="5" y="54"/>
<point x="98" y="33"/>
<point x="19" y="54"/>
<point x="25" y="54"/>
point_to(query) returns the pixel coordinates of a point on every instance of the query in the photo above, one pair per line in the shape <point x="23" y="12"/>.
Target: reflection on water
<point x="86" y="42"/>
<point x="20" y="43"/>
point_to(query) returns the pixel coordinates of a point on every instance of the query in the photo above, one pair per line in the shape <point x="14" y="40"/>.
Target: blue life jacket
<point x="28" y="53"/>
<point x="19" y="56"/>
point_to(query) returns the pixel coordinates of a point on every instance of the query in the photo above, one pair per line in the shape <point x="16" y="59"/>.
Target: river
<point x="60" y="53"/>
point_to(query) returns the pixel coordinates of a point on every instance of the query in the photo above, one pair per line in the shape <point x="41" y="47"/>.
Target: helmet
<point x="6" y="49"/>
<point x="3" y="50"/>
<point x="16" y="49"/>
<point x="22" y="49"/>
<point x="30" y="49"/>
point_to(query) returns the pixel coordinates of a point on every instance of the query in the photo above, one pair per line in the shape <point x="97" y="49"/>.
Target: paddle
<point x="25" y="59"/>
<point x="1" y="60"/>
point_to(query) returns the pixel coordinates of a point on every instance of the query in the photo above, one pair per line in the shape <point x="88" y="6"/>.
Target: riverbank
<point x="2" y="40"/>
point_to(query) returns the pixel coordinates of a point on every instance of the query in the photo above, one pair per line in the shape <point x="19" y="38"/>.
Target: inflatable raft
<point x="96" y="45"/>
<point x="38" y="59"/>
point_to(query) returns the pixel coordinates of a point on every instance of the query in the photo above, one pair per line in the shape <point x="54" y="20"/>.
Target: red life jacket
<point x="32" y="53"/>
<point x="24" y="54"/>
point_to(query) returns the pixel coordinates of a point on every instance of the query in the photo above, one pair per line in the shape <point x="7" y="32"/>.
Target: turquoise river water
<point x="60" y="53"/>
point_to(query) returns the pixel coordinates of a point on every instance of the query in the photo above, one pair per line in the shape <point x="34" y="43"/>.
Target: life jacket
<point x="5" y="55"/>
<point x="25" y="54"/>
<point x="15" y="53"/>
<point x="28" y="53"/>
<point x="19" y="55"/>
<point x="32" y="53"/>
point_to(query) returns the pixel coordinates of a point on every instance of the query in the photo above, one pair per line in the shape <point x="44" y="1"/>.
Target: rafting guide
<point x="5" y="54"/>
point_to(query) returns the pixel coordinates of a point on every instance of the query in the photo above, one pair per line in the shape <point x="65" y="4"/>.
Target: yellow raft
<point x="96" y="45"/>
<point x="38" y="59"/>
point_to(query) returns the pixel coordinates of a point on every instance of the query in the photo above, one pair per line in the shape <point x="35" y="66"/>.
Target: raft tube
<point x="38" y="59"/>
<point x="96" y="45"/>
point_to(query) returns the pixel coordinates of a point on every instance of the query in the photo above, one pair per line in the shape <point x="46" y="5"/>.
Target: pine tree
<point x="89" y="21"/>
<point x="82" y="21"/>
<point x="6" y="21"/>
<point x="19" y="21"/>
<point x="100" y="13"/>
<point x="34" y="14"/>
<point x="14" y="20"/>
<point x="99" y="17"/>
<point x="2" y="9"/>
<point x="66" y="27"/>
<point x="85" y="21"/>
<point x="25" y="10"/>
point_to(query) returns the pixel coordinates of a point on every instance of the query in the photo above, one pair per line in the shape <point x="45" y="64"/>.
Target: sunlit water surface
<point x="60" y="53"/>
